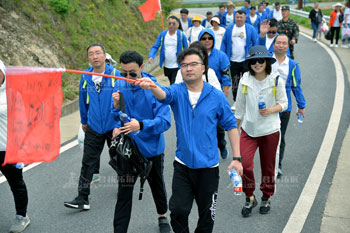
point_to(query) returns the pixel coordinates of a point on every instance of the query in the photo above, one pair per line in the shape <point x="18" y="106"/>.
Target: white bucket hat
<point x="338" y="4"/>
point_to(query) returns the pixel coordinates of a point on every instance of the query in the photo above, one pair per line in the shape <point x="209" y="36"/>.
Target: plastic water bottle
<point x="236" y="181"/>
<point x="261" y="103"/>
<point x="300" y="118"/>
<point x="125" y="118"/>
<point x="19" y="165"/>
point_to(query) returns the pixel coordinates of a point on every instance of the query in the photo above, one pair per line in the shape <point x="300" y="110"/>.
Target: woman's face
<point x="258" y="65"/>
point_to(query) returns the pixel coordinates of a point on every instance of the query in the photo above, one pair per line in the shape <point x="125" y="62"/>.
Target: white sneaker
<point x="233" y="107"/>
<point x="336" y="46"/>
<point x="314" y="39"/>
<point x="331" y="45"/>
<point x="20" y="224"/>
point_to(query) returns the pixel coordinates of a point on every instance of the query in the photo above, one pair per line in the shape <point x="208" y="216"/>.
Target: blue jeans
<point x="315" y="27"/>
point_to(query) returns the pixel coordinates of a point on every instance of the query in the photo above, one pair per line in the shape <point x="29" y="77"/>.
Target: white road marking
<point x="62" y="149"/>
<point x="302" y="208"/>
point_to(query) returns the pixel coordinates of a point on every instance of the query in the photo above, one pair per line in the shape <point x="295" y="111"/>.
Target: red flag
<point x="149" y="9"/>
<point x="34" y="101"/>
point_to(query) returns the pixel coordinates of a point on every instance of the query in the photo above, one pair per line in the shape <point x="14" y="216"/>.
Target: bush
<point x="60" y="6"/>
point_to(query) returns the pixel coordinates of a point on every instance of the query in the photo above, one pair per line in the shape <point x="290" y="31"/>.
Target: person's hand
<point x="144" y="83"/>
<point x="292" y="42"/>
<point x="150" y="60"/>
<point x="83" y="127"/>
<point x="301" y="111"/>
<point x="226" y="90"/>
<point x="264" y="28"/>
<point x="265" y="112"/>
<point x="130" y="127"/>
<point x="116" y="132"/>
<point x="116" y="99"/>
<point x="237" y="165"/>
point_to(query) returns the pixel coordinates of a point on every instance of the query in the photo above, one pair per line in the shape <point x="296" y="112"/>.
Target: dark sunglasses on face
<point x="132" y="74"/>
<point x="271" y="32"/>
<point x="207" y="38"/>
<point x="255" y="60"/>
<point x="172" y="23"/>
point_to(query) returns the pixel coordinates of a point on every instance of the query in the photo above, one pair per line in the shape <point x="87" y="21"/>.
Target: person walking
<point x="289" y="72"/>
<point x="151" y="119"/>
<point x="193" y="32"/>
<point x="195" y="104"/>
<point x="254" y="19"/>
<point x="246" y="7"/>
<point x="315" y="19"/>
<point x="171" y="42"/>
<point x="218" y="31"/>
<point x="276" y="12"/>
<point x="12" y="174"/>
<point x="206" y="22"/>
<point x="335" y="22"/>
<point x="260" y="125"/>
<point x="346" y="26"/>
<point x="262" y="13"/>
<point x="220" y="13"/>
<point x="229" y="15"/>
<point x="185" y="20"/>
<point x="94" y="102"/>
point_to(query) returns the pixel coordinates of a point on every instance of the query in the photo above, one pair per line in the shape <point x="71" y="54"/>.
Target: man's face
<point x="172" y="24"/>
<point x="131" y="70"/>
<point x="230" y="9"/>
<point x="252" y="12"/>
<point x="97" y="57"/>
<point x="246" y="4"/>
<point x="240" y="19"/>
<point x="316" y="5"/>
<point x="192" y="68"/>
<point x="285" y="13"/>
<point x="281" y="45"/>
<point x="2" y="77"/>
<point x="272" y="32"/>
<point x="277" y="7"/>
<point x="260" y="9"/>
<point x="222" y="10"/>
<point x="184" y="16"/>
<point x="208" y="41"/>
<point x="209" y="17"/>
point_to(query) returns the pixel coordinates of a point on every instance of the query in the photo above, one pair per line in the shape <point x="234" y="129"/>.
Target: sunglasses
<point x="207" y="38"/>
<point x="255" y="60"/>
<point x="132" y="74"/>
<point x="172" y="23"/>
<point x="271" y="32"/>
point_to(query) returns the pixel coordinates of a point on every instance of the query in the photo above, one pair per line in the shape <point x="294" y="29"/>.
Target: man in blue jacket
<point x="198" y="107"/>
<point x="237" y="41"/>
<point x="171" y="42"/>
<point x="246" y="7"/>
<point x="94" y="102"/>
<point x="221" y="14"/>
<point x="151" y="119"/>
<point x="254" y="19"/>
<point x="289" y="71"/>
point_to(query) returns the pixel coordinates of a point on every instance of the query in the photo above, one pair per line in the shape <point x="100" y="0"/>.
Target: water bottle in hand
<point x="125" y="118"/>
<point x="236" y="181"/>
<point x="19" y="165"/>
<point x="300" y="118"/>
<point x="261" y="103"/>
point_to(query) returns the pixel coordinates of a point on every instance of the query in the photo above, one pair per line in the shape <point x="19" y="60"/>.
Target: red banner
<point x="34" y="101"/>
<point x="149" y="9"/>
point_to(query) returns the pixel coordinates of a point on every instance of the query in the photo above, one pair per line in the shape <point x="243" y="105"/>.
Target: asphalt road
<point x="50" y="184"/>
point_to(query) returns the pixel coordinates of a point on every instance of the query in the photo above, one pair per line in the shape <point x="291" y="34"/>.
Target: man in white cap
<point x="12" y="174"/>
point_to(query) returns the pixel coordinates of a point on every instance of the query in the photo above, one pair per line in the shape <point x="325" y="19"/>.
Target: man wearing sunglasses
<point x="171" y="42"/>
<point x="94" y="102"/>
<point x="151" y="118"/>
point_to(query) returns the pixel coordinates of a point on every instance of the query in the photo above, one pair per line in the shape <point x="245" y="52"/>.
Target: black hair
<point x="203" y="50"/>
<point x="347" y="4"/>
<point x="209" y="13"/>
<point x="259" y="5"/>
<point x="130" y="57"/>
<point x="268" y="68"/>
<point x="253" y="7"/>
<point x="248" y="1"/>
<point x="241" y="12"/>
<point x="222" y="5"/>
<point x="184" y="11"/>
<point x="177" y="20"/>
<point x="187" y="52"/>
<point x="277" y="3"/>
<point x="282" y="34"/>
<point x="273" y="22"/>
<point x="96" y="44"/>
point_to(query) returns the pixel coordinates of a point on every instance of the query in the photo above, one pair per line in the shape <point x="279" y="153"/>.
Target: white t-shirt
<point x="277" y="14"/>
<point x="184" y="25"/>
<point x="239" y="38"/>
<point x="229" y="19"/>
<point x="208" y="24"/>
<point x="253" y="19"/>
<point x="170" y="49"/>
<point x="219" y="34"/>
<point x="193" y="32"/>
<point x="269" y="42"/>
<point x="194" y="97"/>
<point x="259" y="85"/>
<point x="336" y="22"/>
<point x="347" y="15"/>
<point x="212" y="78"/>
<point x="282" y="69"/>
<point x="3" y="117"/>
<point x="97" y="81"/>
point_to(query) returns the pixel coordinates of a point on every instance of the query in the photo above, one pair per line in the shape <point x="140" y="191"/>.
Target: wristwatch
<point x="237" y="158"/>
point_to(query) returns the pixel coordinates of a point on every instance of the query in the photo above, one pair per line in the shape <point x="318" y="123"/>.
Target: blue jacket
<point x="222" y="19"/>
<point x="224" y="15"/>
<point x="196" y="128"/>
<point x="205" y="22"/>
<point x="143" y="106"/>
<point x="94" y="106"/>
<point x="247" y="10"/>
<point x="189" y="21"/>
<point x="271" y="50"/>
<point x="218" y="60"/>
<point x="268" y="13"/>
<point x="251" y="39"/>
<point x="264" y="15"/>
<point x="293" y="83"/>
<point x="181" y="44"/>
<point x="257" y="22"/>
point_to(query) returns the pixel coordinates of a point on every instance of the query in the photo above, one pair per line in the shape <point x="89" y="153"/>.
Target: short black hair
<point x="222" y="5"/>
<point x="130" y="57"/>
<point x="273" y="22"/>
<point x="248" y="1"/>
<point x="277" y="3"/>
<point x="184" y="11"/>
<point x="282" y="34"/>
<point x="209" y="13"/>
<point x="253" y="7"/>
<point x="187" y="52"/>
<point x="241" y="12"/>
<point x="96" y="44"/>
<point x="268" y="68"/>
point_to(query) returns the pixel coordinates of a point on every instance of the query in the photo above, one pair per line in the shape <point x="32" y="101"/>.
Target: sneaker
<point x="331" y="45"/>
<point x="224" y="153"/>
<point x="78" y="203"/>
<point x="265" y="205"/>
<point x="280" y="173"/>
<point x="95" y="178"/>
<point x="20" y="224"/>
<point x="163" y="224"/>
<point x="336" y="46"/>
<point x="233" y="107"/>
<point x="249" y="205"/>
<point x="314" y="39"/>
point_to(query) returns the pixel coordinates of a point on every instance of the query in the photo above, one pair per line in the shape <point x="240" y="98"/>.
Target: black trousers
<point x="188" y="184"/>
<point x="336" y="31"/>
<point x="237" y="70"/>
<point x="284" y="116"/>
<point x="221" y="137"/>
<point x="171" y="74"/>
<point x="18" y="187"/>
<point x="155" y="180"/>
<point x="93" y="146"/>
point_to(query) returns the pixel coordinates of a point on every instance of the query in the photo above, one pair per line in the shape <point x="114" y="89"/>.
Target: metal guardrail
<point x="305" y="14"/>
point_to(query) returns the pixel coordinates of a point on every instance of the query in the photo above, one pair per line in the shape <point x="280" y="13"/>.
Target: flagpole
<point x="161" y="14"/>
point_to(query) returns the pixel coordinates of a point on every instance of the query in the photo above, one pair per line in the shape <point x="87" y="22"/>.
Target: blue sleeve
<point x="226" y="117"/>
<point x="154" y="49"/>
<point x="83" y="105"/>
<point x="254" y="36"/>
<point x="296" y="89"/>
<point x="262" y="41"/>
<point x="162" y="120"/>
<point x="223" y="43"/>
<point x="169" y="94"/>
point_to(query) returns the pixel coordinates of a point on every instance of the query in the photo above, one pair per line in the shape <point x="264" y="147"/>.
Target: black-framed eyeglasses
<point x="171" y="23"/>
<point x="271" y="32"/>
<point x="132" y="74"/>
<point x="192" y="64"/>
<point x="207" y="38"/>
<point x="255" y="60"/>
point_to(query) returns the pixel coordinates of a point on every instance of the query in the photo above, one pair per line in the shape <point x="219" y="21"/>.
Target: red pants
<point x="268" y="146"/>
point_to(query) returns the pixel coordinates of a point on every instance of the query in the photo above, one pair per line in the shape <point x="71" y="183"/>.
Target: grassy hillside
<point x="71" y="25"/>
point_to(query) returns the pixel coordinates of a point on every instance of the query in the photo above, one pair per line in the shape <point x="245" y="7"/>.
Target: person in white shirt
<point x="193" y="32"/>
<point x="230" y="14"/>
<point x="11" y="173"/>
<point x="277" y="12"/>
<point x="346" y="25"/>
<point x="261" y="97"/>
<point x="206" y="22"/>
<point x="185" y="20"/>
<point x="218" y="31"/>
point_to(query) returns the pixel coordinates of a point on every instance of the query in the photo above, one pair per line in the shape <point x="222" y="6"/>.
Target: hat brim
<point x="272" y="60"/>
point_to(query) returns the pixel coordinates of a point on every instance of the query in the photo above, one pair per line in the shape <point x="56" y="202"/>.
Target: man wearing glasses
<point x="151" y="119"/>
<point x="171" y="42"/>
<point x="94" y="102"/>
<point x="195" y="104"/>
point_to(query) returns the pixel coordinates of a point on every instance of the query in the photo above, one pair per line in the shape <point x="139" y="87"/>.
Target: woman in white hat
<point x="335" y="23"/>
<point x="218" y="31"/>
